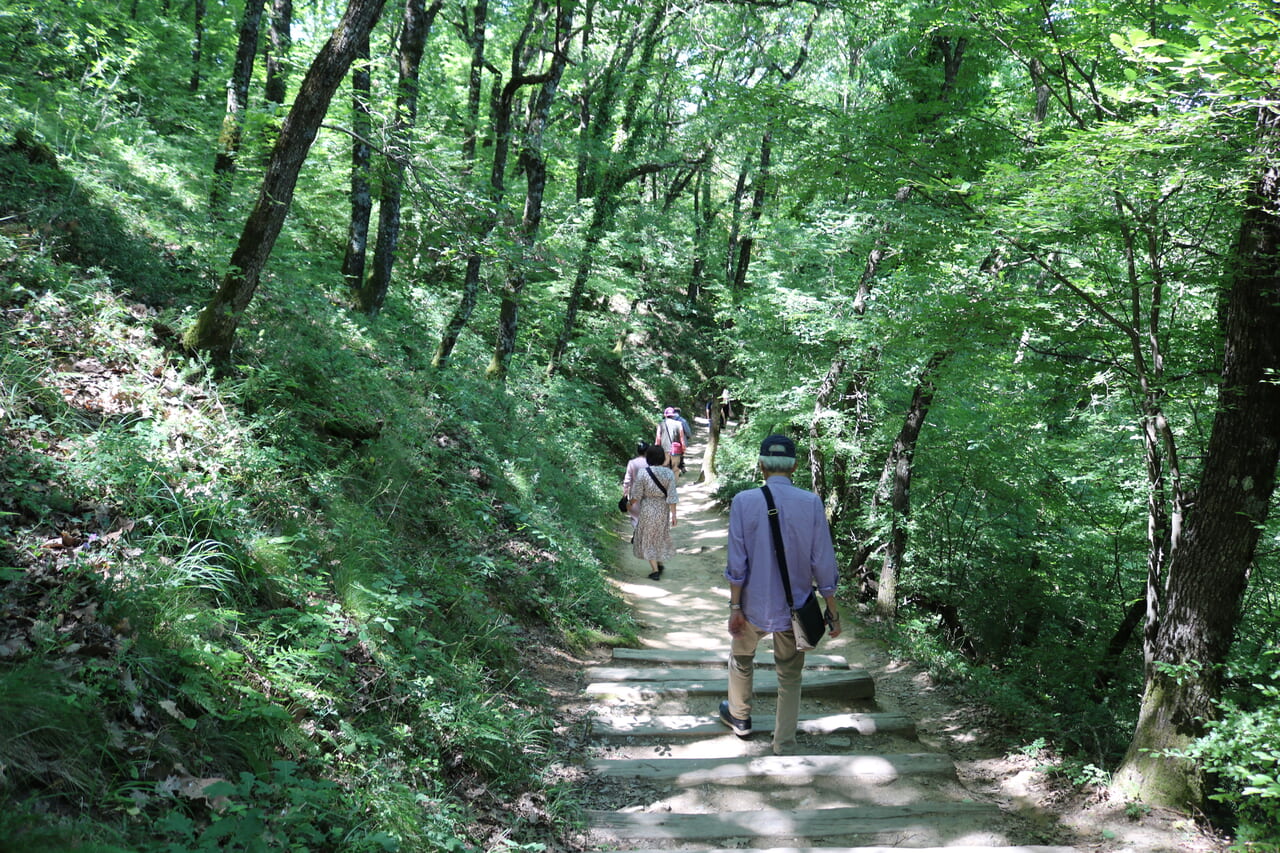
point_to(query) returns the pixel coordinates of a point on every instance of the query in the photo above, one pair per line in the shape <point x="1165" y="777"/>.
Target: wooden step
<point x="940" y="824"/>
<point x="963" y="848"/>
<point x="678" y="726"/>
<point x="641" y="684"/>
<point x="691" y="673"/>
<point x="719" y="657"/>
<point x="779" y="769"/>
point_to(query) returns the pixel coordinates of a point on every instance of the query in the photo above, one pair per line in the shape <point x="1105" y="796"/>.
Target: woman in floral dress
<point x="653" y="502"/>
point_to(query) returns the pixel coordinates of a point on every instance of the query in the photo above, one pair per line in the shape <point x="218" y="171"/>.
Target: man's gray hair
<point x="778" y="464"/>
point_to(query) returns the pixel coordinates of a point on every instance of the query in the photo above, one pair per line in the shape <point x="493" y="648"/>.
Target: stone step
<point x="779" y="769"/>
<point x="643" y="684"/>
<point x="942" y="824"/>
<point x="684" y="726"/>
<point x="719" y="657"/>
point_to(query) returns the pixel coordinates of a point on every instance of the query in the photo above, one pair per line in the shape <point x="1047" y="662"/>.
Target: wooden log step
<point x="928" y="823"/>
<point x="780" y="769"/>
<point x="685" y="673"/>
<point x="719" y="657"/>
<point x="676" y="726"/>
<point x="835" y="684"/>
<point x="964" y="848"/>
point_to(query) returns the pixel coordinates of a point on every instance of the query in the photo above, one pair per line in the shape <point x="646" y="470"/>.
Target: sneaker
<point x="741" y="728"/>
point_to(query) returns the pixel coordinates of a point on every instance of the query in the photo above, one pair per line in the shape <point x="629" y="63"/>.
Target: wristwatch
<point x="733" y="606"/>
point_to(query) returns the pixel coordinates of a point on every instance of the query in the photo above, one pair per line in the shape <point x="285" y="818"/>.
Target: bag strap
<point x="657" y="481"/>
<point x="775" y="528"/>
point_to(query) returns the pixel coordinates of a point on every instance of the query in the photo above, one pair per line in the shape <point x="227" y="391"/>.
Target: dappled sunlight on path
<point x="672" y="775"/>
<point x="686" y="609"/>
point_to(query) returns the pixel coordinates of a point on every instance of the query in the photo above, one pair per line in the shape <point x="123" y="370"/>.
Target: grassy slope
<point x="292" y="603"/>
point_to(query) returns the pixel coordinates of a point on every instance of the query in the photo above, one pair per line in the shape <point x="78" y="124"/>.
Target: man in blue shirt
<point x="757" y="602"/>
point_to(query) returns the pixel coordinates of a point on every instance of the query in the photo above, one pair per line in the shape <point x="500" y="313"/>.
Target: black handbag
<point x="622" y="504"/>
<point x="807" y="621"/>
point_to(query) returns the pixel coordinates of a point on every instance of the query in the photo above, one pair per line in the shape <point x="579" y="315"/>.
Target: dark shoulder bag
<point x="807" y="621"/>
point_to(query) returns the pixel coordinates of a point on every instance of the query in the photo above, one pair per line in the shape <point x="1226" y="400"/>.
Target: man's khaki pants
<point x="790" y="668"/>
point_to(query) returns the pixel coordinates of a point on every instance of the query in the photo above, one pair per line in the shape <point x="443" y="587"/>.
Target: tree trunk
<point x="197" y="44"/>
<point x="738" y="283"/>
<point x="280" y="42"/>
<point x="475" y="35"/>
<point x="1166" y="503"/>
<point x="1209" y="571"/>
<point x="534" y="166"/>
<point x="836" y="397"/>
<point x="224" y="163"/>
<point x="703" y="221"/>
<point x="1110" y="663"/>
<point x="952" y="50"/>
<point x="896" y="484"/>
<point x="601" y="216"/>
<point x="501" y="103"/>
<point x="605" y="173"/>
<point x="353" y="260"/>
<point x="215" y="328"/>
<point x="414" y="30"/>
<point x="822" y="401"/>
<point x="715" y="423"/>
<point x="458" y="322"/>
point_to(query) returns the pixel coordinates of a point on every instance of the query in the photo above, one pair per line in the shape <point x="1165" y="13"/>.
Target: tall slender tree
<point x="224" y="163"/>
<point x="359" y="194"/>
<point x="215" y="327"/>
<point x="558" y="26"/>
<point x="603" y="172"/>
<point x="279" y="48"/>
<point x="197" y="43"/>
<point x="414" y="30"/>
<point x="494" y="187"/>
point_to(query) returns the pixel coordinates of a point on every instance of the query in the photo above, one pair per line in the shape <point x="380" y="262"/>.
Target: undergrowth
<point x="292" y="608"/>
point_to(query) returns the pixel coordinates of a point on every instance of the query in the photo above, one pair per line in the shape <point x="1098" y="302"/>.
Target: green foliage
<point x="339" y="558"/>
<point x="48" y="730"/>
<point x="286" y="564"/>
<point x="1241" y="748"/>
<point x="279" y="810"/>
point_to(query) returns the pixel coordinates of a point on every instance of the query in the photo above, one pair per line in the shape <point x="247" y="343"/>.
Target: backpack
<point x="677" y="447"/>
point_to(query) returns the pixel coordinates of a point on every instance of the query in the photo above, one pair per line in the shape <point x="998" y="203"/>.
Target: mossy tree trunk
<point x="215" y="327"/>
<point x="224" y="162"/>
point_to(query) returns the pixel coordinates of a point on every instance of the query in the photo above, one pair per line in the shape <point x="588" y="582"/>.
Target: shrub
<point x="1243" y="749"/>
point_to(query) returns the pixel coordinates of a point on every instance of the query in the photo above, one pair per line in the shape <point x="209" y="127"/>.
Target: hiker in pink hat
<point x="671" y="435"/>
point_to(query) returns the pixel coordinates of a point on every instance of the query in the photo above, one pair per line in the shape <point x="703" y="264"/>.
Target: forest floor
<point x="686" y="609"/>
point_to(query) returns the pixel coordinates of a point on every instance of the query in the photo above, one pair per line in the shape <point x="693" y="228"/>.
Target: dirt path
<point x="683" y="617"/>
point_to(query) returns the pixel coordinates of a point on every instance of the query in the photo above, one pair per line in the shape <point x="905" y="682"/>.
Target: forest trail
<point x="667" y="775"/>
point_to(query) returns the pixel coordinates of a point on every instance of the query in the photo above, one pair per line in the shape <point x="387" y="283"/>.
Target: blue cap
<point x="778" y="445"/>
